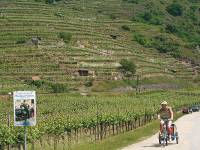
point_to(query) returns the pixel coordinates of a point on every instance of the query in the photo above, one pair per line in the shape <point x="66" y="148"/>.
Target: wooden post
<point x="25" y="138"/>
<point x="101" y="130"/>
<point x="139" y="121"/>
<point x="9" y="119"/>
<point x="113" y="128"/>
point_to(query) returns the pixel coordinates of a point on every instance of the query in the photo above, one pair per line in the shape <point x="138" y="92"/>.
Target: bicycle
<point x="164" y="135"/>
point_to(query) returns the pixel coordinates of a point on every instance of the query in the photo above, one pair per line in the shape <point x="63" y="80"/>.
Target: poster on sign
<point x="24" y="108"/>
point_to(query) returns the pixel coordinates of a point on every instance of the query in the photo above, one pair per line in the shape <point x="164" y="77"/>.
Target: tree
<point x="127" y="67"/>
<point x="175" y="9"/>
<point x="147" y="16"/>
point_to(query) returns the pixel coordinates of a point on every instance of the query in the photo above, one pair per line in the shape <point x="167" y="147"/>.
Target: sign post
<point x="24" y="110"/>
<point x="25" y="138"/>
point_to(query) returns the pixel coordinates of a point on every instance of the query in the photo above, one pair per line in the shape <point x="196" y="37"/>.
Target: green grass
<point x="122" y="140"/>
<point x="108" y="86"/>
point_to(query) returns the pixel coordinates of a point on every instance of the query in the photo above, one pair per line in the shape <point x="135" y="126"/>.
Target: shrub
<point x="171" y="28"/>
<point x="65" y="36"/>
<point x="147" y="16"/>
<point x="21" y="41"/>
<point x="194" y="8"/>
<point x="126" y="28"/>
<point x="127" y="66"/>
<point x="176" y="53"/>
<point x="166" y="47"/>
<point x="165" y="44"/>
<point x="175" y="9"/>
<point x="37" y="83"/>
<point x="140" y="39"/>
<point x="88" y="83"/>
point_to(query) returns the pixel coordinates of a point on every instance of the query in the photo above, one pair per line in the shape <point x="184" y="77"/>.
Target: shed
<point x="83" y="72"/>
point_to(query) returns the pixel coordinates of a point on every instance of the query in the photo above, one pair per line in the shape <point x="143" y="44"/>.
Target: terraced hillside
<point x="97" y="35"/>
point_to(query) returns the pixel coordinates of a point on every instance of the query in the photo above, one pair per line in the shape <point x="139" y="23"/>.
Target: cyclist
<point x="164" y="113"/>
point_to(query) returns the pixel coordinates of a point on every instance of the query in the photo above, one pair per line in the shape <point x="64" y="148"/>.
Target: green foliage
<point x="140" y="39"/>
<point x="156" y="21"/>
<point x="49" y="1"/>
<point x="147" y="16"/>
<point x="7" y="136"/>
<point x="132" y="1"/>
<point x="39" y="0"/>
<point x="126" y="28"/>
<point x="59" y="14"/>
<point x="165" y="44"/>
<point x="54" y="87"/>
<point x="21" y="41"/>
<point x="65" y="36"/>
<point x="176" y="53"/>
<point x="151" y="15"/>
<point x="171" y="28"/>
<point x="175" y="9"/>
<point x="193" y="1"/>
<point x="89" y="83"/>
<point x="113" y="16"/>
<point x="132" y="83"/>
<point x="194" y="8"/>
<point x="37" y="83"/>
<point x="58" y="87"/>
<point x="127" y="67"/>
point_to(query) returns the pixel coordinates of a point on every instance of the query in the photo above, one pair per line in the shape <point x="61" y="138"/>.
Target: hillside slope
<point x="53" y="41"/>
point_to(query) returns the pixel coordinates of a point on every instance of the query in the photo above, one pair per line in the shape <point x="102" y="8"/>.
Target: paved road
<point x="189" y="136"/>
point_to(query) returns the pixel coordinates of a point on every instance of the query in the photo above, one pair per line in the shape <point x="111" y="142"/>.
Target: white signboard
<point x="24" y="108"/>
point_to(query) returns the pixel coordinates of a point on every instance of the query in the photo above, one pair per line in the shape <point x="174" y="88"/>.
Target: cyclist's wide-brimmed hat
<point x="164" y="103"/>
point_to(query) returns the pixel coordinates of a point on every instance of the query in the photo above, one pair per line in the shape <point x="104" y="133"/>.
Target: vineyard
<point x="67" y="120"/>
<point x="98" y="35"/>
